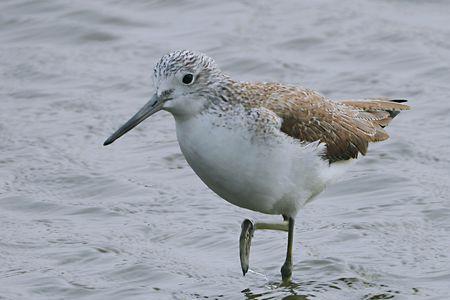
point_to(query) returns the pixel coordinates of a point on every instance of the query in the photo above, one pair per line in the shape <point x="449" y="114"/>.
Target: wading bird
<point x="266" y="147"/>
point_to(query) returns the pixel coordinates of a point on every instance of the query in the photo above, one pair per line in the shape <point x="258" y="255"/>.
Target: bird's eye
<point x="188" y="79"/>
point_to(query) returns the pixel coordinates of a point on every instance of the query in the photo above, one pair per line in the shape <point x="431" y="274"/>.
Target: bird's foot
<point x="245" y="241"/>
<point x="286" y="272"/>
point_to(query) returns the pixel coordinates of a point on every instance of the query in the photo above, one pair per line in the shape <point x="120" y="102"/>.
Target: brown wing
<point x="346" y="127"/>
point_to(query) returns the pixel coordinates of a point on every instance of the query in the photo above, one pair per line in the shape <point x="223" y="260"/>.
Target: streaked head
<point x="183" y="82"/>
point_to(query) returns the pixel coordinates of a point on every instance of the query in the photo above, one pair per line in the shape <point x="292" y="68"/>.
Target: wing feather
<point x="346" y="126"/>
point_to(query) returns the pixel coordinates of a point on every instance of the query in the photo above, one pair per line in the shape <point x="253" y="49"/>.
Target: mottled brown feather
<point x="346" y="126"/>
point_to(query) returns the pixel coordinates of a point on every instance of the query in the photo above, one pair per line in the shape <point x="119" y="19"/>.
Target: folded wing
<point x="346" y="126"/>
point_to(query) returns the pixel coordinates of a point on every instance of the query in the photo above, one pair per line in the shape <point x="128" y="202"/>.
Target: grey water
<point x="132" y="220"/>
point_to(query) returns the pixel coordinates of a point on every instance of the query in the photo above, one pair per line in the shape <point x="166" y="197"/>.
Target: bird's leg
<point x="272" y="226"/>
<point x="245" y="240"/>
<point x="286" y="269"/>
<point x="247" y="230"/>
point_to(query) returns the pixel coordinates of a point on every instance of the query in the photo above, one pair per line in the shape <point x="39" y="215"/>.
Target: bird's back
<point x="346" y="126"/>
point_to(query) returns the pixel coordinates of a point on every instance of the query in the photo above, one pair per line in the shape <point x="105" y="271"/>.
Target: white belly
<point x="270" y="176"/>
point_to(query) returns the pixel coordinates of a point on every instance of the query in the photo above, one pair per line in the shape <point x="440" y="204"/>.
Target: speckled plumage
<point x="266" y="147"/>
<point x="346" y="127"/>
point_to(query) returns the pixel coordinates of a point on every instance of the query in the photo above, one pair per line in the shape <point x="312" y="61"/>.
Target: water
<point x="132" y="221"/>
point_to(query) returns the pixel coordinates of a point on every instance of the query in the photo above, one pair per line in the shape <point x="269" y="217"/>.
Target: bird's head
<point x="184" y="80"/>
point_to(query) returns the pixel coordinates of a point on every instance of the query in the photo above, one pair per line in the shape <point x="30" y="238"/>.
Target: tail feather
<point x="398" y="100"/>
<point x="379" y="112"/>
<point x="377" y="104"/>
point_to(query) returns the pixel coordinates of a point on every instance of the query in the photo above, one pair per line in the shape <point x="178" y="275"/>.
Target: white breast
<point x="273" y="175"/>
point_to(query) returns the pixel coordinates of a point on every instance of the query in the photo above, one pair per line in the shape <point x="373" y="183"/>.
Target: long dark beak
<point x="154" y="105"/>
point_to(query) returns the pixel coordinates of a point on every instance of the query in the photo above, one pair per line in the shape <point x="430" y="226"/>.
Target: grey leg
<point x="286" y="269"/>
<point x="247" y="230"/>
<point x="245" y="240"/>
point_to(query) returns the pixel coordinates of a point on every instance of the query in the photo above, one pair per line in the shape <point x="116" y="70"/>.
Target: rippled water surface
<point x="132" y="221"/>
